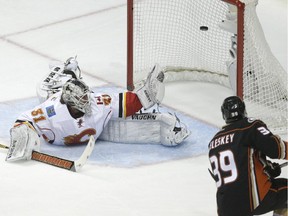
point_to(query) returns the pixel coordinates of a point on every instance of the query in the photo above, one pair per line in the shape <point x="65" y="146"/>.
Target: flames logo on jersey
<point x="81" y="138"/>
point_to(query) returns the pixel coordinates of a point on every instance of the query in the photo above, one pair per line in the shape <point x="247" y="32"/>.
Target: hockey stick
<point x="74" y="166"/>
<point x="283" y="164"/>
<point x="3" y="146"/>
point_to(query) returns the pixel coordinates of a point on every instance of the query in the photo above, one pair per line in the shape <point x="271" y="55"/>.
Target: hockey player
<point x="245" y="178"/>
<point x="73" y="112"/>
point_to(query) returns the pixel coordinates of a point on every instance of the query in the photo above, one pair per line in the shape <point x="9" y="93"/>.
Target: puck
<point x="203" y="28"/>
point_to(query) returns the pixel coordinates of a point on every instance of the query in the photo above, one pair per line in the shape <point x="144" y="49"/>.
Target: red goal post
<point x="219" y="41"/>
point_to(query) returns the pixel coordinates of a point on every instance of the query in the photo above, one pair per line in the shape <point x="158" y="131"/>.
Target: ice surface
<point x="35" y="32"/>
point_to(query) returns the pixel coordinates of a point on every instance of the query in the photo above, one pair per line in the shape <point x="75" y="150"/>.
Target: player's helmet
<point x="76" y="93"/>
<point x="233" y="109"/>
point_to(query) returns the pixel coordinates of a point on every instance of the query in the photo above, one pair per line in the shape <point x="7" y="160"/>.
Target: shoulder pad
<point x="256" y="121"/>
<point x="251" y="120"/>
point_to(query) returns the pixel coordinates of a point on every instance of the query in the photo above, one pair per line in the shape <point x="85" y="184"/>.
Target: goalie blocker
<point x="25" y="144"/>
<point x="59" y="74"/>
<point x="24" y="139"/>
<point x="154" y="128"/>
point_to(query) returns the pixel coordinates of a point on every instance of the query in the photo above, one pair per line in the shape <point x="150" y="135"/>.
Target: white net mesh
<point x="171" y="33"/>
<point x="264" y="79"/>
<point x="168" y="33"/>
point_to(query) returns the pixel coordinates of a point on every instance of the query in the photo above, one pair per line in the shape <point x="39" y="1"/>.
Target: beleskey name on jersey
<point x="222" y="140"/>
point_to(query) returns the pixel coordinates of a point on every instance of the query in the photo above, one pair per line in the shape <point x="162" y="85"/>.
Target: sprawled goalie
<point x="70" y="112"/>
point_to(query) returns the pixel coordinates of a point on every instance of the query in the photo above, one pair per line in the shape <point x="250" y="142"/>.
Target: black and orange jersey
<point x="237" y="155"/>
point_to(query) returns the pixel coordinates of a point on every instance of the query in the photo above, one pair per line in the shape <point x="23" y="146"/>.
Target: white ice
<point x="32" y="33"/>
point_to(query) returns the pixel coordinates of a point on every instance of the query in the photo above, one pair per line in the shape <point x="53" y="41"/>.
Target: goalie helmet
<point x="76" y="93"/>
<point x="233" y="109"/>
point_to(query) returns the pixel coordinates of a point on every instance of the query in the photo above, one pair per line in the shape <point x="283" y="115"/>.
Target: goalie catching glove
<point x="152" y="91"/>
<point x="24" y="139"/>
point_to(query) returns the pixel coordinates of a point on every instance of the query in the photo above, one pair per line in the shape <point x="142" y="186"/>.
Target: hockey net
<point x="219" y="41"/>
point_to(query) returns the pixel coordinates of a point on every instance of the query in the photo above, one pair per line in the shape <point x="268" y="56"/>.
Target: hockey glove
<point x="24" y="139"/>
<point x="152" y="90"/>
<point x="272" y="170"/>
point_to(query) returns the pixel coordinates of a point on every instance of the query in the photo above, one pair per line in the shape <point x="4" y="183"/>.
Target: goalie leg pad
<point x="146" y="128"/>
<point x="24" y="139"/>
<point x="174" y="132"/>
<point x="153" y="90"/>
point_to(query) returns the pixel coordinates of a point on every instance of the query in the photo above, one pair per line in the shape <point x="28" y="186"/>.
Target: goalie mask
<point x="76" y="94"/>
<point x="233" y="109"/>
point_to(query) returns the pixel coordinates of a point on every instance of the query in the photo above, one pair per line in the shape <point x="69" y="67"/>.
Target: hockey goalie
<point x="70" y="112"/>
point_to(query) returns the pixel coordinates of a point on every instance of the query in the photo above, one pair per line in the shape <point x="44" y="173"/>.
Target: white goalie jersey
<point x="151" y="128"/>
<point x="54" y="123"/>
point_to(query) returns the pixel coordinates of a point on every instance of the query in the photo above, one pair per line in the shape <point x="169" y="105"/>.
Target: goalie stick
<point x="74" y="166"/>
<point x="4" y="146"/>
<point x="283" y="164"/>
